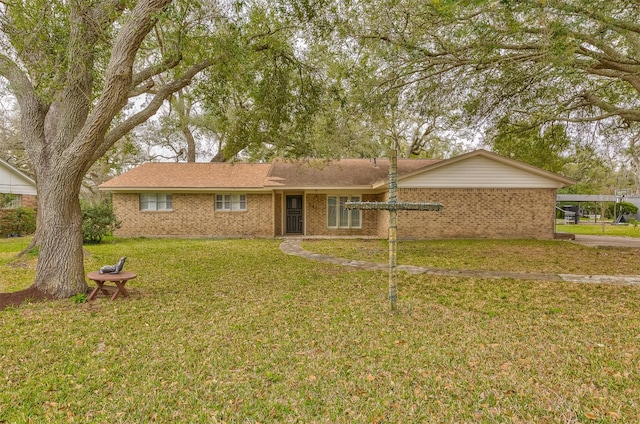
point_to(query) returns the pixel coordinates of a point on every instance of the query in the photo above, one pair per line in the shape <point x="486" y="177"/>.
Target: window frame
<point x="14" y="202"/>
<point x="338" y="217"/>
<point x="230" y="202"/>
<point x="163" y="202"/>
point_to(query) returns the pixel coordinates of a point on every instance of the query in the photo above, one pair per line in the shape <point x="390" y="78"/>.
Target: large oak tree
<point x="74" y="67"/>
<point x="569" y="62"/>
<point x="85" y="73"/>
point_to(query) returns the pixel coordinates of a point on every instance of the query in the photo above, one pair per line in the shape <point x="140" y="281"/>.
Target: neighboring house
<point x="484" y="196"/>
<point x="17" y="187"/>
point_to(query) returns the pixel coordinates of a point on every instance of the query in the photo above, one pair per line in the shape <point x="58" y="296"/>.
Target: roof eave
<point x="182" y="189"/>
<point x="324" y="188"/>
<point x="17" y="171"/>
<point x="494" y="156"/>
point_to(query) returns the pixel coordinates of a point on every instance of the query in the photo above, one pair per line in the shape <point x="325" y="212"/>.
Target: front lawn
<point x="544" y="256"/>
<point x="597" y="229"/>
<point x="236" y="331"/>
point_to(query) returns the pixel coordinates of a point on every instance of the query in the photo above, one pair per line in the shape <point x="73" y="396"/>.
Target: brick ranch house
<point x="17" y="190"/>
<point x="485" y="196"/>
<point x="17" y="184"/>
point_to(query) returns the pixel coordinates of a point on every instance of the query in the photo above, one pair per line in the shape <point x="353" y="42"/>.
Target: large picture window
<point x="10" y="201"/>
<point x="156" y="202"/>
<point x="231" y="202"/>
<point x="340" y="217"/>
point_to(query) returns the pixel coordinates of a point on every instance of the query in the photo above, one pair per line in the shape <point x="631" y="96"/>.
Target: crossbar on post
<point x="393" y="206"/>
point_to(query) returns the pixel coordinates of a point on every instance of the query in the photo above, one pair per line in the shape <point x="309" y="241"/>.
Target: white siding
<point x="478" y="172"/>
<point x="13" y="182"/>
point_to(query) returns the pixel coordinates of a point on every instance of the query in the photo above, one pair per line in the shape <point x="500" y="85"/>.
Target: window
<point x="156" y="202"/>
<point x="340" y="217"/>
<point x="231" y="202"/>
<point x="10" y="201"/>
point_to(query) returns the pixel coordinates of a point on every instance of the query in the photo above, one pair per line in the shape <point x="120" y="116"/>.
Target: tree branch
<point x="141" y="89"/>
<point x="154" y="70"/>
<point x="118" y="79"/>
<point x="162" y="94"/>
<point x="606" y="20"/>
<point x="610" y="57"/>
<point x="18" y="80"/>
<point x="103" y="12"/>
<point x="32" y="109"/>
<point x="611" y="110"/>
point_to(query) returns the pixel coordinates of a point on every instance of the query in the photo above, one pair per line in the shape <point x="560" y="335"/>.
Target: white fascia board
<point x="323" y="188"/>
<point x="183" y="189"/>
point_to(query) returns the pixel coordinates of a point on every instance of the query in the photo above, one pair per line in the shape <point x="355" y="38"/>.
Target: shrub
<point x="20" y="221"/>
<point x="624" y="208"/>
<point x="98" y="221"/>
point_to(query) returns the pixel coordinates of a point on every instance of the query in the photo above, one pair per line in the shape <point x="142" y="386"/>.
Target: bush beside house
<point x="17" y="222"/>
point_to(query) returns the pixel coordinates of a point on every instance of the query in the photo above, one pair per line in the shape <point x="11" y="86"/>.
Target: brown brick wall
<point x="277" y="208"/>
<point x="29" y="201"/>
<point x="479" y="213"/>
<point x="316" y="213"/>
<point x="468" y="213"/>
<point x="193" y="215"/>
<point x="383" y="218"/>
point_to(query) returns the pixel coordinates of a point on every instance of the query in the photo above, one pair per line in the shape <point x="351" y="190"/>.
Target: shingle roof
<point x="164" y="175"/>
<point x="343" y="173"/>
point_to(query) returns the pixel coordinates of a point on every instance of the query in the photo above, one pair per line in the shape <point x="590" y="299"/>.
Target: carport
<point x="598" y="199"/>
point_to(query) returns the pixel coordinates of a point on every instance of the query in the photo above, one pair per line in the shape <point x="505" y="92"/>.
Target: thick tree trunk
<point x="191" y="142"/>
<point x="60" y="268"/>
<point x="183" y="108"/>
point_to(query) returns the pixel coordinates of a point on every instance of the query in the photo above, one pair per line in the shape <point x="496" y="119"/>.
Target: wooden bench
<point x="119" y="280"/>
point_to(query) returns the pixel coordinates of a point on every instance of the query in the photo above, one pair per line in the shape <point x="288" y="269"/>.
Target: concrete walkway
<point x="294" y="247"/>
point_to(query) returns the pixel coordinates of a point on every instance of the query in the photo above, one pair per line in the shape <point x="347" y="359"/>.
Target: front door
<point x="294" y="214"/>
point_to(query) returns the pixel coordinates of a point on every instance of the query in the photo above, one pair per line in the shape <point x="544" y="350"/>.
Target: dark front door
<point x="294" y="214"/>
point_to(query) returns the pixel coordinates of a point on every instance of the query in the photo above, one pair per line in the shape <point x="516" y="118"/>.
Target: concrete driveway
<point x="596" y="241"/>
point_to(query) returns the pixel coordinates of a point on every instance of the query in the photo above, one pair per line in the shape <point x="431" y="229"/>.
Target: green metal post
<point x="393" y="227"/>
<point x="392" y="205"/>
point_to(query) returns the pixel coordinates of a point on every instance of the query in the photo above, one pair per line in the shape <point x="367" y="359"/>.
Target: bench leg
<point x="99" y="287"/>
<point x="120" y="289"/>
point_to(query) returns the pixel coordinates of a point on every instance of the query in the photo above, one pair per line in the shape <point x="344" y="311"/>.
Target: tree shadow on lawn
<point x="28" y="295"/>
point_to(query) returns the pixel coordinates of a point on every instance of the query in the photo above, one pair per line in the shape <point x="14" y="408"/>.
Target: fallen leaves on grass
<point x="542" y="256"/>
<point x="222" y="332"/>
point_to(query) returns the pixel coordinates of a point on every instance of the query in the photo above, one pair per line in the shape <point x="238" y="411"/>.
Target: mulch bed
<point x="17" y="298"/>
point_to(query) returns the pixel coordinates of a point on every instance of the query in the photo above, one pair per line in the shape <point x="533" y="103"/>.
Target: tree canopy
<point x="472" y="66"/>
<point x="550" y="82"/>
<point x="84" y="75"/>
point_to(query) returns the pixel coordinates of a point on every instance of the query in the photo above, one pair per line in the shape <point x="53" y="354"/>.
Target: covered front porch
<point x="321" y="213"/>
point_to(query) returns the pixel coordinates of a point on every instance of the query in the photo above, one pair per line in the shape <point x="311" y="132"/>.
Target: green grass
<point x="552" y="256"/>
<point x="16" y="273"/>
<point x="236" y="331"/>
<point x="598" y="229"/>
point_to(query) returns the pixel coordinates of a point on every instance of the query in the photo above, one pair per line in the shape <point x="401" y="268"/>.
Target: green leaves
<point x="265" y="92"/>
<point x="545" y="147"/>
<point x="98" y="221"/>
